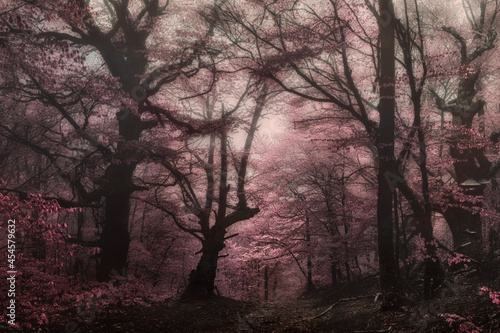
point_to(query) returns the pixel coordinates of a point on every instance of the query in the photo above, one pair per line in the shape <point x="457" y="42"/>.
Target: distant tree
<point x="310" y="193"/>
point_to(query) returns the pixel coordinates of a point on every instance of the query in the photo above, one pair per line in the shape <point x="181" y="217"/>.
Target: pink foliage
<point x="461" y="324"/>
<point x="494" y="295"/>
<point x="43" y="289"/>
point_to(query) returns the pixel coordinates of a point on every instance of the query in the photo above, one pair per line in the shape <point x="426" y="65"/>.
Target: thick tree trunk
<point x="115" y="236"/>
<point x="387" y="261"/>
<point x="385" y="148"/>
<point x="202" y="280"/>
<point x="466" y="228"/>
<point x="463" y="217"/>
<point x="118" y="187"/>
<point x="471" y="166"/>
<point x="310" y="283"/>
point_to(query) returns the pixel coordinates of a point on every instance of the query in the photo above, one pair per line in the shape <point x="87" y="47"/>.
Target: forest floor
<point x="348" y="308"/>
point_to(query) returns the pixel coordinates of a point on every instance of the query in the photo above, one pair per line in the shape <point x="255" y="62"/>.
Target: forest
<point x="250" y="166"/>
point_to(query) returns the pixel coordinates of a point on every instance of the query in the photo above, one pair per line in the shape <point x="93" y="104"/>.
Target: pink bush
<point x="494" y="295"/>
<point x="460" y="324"/>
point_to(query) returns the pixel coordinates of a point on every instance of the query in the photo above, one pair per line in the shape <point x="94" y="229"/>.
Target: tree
<point x="385" y="146"/>
<point x="422" y="208"/>
<point x="322" y="71"/>
<point x="222" y="207"/>
<point x="128" y="72"/>
<point x="472" y="168"/>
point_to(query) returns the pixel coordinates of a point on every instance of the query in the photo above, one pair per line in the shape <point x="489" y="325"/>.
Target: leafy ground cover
<point x="459" y="306"/>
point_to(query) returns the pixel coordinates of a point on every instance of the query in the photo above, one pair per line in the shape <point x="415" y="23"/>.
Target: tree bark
<point x="202" y="280"/>
<point x="464" y="218"/>
<point x="466" y="227"/>
<point x="385" y="148"/>
<point x="310" y="284"/>
<point x="115" y="236"/>
<point x="266" y="283"/>
<point x="333" y="272"/>
<point x="118" y="187"/>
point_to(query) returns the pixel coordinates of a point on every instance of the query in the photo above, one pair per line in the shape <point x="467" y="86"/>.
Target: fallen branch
<point x="375" y="331"/>
<point x="337" y="303"/>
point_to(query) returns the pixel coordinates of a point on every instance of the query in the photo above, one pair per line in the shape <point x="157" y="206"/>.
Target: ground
<point x="349" y="308"/>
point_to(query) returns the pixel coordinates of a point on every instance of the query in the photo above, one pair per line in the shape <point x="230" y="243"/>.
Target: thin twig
<point x="375" y="331"/>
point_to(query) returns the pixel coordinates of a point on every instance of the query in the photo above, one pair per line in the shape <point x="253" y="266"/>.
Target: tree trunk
<point x="333" y="272"/>
<point x="397" y="251"/>
<point x="266" y="283"/>
<point x="275" y="285"/>
<point x="385" y="148"/>
<point x="118" y="187"/>
<point x="464" y="218"/>
<point x="310" y="284"/>
<point x="433" y="276"/>
<point x="466" y="228"/>
<point x="471" y="165"/>
<point x="202" y="280"/>
<point x="115" y="236"/>
<point x="347" y="271"/>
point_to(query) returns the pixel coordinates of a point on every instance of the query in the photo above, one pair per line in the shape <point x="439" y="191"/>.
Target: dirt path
<point x="289" y="316"/>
